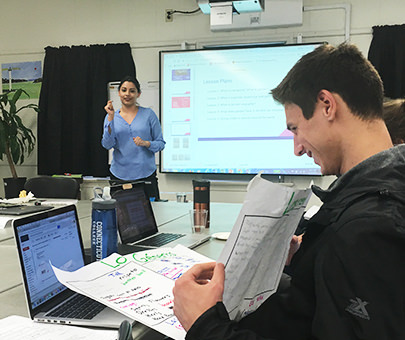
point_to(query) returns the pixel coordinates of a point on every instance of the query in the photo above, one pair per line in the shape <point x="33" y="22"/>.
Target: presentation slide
<point x="218" y="115"/>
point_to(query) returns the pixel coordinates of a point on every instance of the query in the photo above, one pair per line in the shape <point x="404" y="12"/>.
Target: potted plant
<point x="16" y="140"/>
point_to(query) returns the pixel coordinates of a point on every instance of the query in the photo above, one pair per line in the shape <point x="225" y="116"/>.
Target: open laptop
<point x="137" y="226"/>
<point x="54" y="236"/>
<point x="20" y="209"/>
<point x="151" y="189"/>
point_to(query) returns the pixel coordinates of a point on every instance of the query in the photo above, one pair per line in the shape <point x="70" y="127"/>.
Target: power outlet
<point x="169" y="15"/>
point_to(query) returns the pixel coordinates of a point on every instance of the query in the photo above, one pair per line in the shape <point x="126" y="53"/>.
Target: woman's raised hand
<point x="109" y="108"/>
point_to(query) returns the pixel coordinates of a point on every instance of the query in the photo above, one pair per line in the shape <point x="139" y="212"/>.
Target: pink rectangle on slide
<point x="180" y="102"/>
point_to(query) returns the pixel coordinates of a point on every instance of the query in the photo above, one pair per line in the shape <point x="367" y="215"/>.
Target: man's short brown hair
<point x="342" y="70"/>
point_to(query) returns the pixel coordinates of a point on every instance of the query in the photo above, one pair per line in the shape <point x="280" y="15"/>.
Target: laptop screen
<point x="45" y="238"/>
<point x="135" y="217"/>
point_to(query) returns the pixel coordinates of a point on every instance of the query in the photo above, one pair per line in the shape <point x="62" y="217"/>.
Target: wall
<point x="29" y="26"/>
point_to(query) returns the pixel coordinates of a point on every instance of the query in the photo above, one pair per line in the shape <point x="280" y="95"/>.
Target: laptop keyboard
<point x="79" y="307"/>
<point x="160" y="239"/>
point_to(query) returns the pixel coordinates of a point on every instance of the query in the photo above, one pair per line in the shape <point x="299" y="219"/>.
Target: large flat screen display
<point x="218" y="115"/>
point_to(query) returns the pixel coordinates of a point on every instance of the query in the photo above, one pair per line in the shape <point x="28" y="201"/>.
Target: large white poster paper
<point x="138" y="285"/>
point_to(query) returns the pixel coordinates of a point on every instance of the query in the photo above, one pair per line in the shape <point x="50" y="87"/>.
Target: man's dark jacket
<point x="348" y="277"/>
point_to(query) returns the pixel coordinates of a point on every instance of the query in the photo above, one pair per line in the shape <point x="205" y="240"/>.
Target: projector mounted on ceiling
<point x="272" y="13"/>
<point x="240" y="6"/>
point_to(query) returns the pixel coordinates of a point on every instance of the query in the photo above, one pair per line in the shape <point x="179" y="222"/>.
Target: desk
<point x="13" y="302"/>
<point x="170" y="217"/>
<point x="6" y="234"/>
<point x="222" y="218"/>
<point x="165" y="212"/>
<point x="9" y="268"/>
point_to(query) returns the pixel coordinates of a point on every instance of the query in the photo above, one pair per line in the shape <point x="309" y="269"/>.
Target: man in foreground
<point x="348" y="276"/>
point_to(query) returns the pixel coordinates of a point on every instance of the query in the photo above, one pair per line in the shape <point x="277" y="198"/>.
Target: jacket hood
<point x="383" y="173"/>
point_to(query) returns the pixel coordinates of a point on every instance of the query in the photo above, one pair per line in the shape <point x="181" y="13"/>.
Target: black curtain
<point x="72" y="99"/>
<point x="387" y="54"/>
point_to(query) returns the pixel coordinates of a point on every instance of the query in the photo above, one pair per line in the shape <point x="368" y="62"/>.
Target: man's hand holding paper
<point x="197" y="290"/>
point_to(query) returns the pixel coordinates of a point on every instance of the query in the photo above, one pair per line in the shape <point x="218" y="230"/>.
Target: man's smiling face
<point x="312" y="137"/>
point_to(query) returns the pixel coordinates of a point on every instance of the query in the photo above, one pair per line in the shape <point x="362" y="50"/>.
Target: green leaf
<point x="19" y="122"/>
<point x="4" y="98"/>
<point x="13" y="109"/>
<point x="28" y="106"/>
<point x="12" y="128"/>
<point x="16" y="96"/>
<point x="15" y="151"/>
<point x="2" y="138"/>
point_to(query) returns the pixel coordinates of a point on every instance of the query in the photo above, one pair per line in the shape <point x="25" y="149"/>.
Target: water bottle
<point x="103" y="225"/>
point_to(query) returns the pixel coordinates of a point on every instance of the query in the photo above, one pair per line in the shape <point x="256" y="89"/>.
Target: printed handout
<point x="256" y="251"/>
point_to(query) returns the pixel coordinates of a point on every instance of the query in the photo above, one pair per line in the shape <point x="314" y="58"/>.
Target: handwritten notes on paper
<point x="257" y="248"/>
<point x="138" y="285"/>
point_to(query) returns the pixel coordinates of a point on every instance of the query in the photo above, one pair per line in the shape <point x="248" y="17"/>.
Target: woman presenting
<point x="135" y="134"/>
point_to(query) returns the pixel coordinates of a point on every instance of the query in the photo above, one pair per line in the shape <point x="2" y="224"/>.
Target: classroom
<point x="239" y="212"/>
<point x="30" y="27"/>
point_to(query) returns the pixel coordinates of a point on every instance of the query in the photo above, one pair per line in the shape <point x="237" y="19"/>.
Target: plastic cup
<point x="198" y="220"/>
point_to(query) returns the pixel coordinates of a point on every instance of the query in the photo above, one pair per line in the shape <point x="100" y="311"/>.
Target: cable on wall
<point x="170" y="12"/>
<point x="187" y="12"/>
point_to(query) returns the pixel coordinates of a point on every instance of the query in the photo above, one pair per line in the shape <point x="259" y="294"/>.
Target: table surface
<point x="170" y="217"/>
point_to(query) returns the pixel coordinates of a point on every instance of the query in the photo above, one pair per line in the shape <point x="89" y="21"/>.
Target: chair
<point x="53" y="187"/>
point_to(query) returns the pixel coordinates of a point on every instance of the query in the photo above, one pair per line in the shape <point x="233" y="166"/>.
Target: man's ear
<point x="328" y="103"/>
